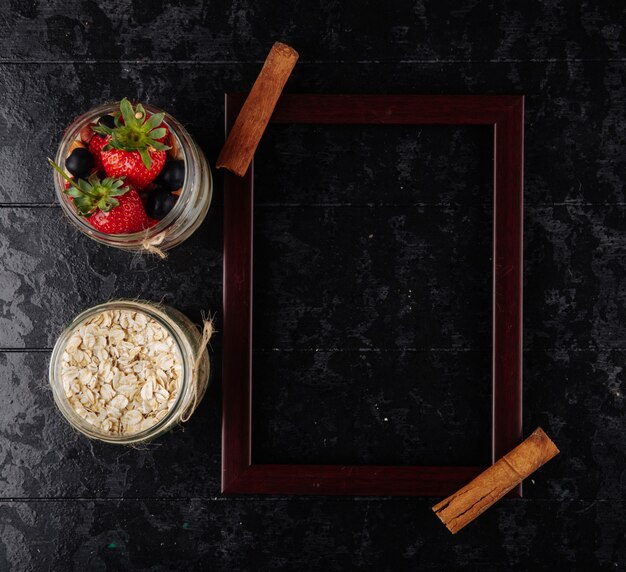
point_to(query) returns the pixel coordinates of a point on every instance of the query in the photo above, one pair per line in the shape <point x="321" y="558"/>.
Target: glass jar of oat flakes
<point x="126" y="372"/>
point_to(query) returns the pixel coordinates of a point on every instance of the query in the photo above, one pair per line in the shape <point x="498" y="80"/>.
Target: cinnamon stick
<point x="255" y="114"/>
<point x="491" y="485"/>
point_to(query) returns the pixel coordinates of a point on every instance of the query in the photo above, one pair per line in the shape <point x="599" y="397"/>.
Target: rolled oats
<point x="121" y="371"/>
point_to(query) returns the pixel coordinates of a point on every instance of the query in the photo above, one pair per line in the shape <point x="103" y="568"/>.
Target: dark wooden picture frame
<point x="506" y="116"/>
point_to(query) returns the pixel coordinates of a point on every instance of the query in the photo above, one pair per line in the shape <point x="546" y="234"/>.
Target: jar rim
<point x="183" y="140"/>
<point x="153" y="311"/>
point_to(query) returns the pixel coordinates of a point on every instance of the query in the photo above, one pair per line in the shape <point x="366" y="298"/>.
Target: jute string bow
<point x="152" y="245"/>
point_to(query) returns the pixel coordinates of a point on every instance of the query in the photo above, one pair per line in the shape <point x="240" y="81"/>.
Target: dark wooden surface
<point x="240" y="474"/>
<point x="414" y="306"/>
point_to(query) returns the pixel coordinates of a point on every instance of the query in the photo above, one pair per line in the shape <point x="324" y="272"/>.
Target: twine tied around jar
<point x="199" y="387"/>
<point x="152" y="245"/>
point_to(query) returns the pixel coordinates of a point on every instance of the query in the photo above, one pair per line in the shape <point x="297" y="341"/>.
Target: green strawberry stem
<point x="93" y="194"/>
<point x="68" y="179"/>
<point x="138" y="132"/>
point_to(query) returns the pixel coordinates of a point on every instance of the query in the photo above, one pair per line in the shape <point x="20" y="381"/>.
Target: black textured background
<point x="371" y="276"/>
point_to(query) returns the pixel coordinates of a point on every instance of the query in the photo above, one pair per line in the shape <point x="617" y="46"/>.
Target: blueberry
<point x="172" y="176"/>
<point x="79" y="163"/>
<point x="160" y="202"/>
<point x="107" y="121"/>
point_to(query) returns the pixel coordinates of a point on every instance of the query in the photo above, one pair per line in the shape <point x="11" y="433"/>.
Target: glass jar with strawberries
<point x="132" y="177"/>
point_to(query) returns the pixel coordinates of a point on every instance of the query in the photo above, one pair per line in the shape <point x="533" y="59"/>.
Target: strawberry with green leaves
<point x="128" y="217"/>
<point x="134" y="147"/>
<point x="108" y="205"/>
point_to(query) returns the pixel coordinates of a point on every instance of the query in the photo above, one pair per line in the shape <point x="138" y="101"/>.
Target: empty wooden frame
<point x="506" y="115"/>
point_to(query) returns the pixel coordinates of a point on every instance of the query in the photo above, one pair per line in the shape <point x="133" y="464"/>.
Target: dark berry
<point x="144" y="195"/>
<point x="160" y="202"/>
<point x="107" y="121"/>
<point x="79" y="163"/>
<point x="172" y="176"/>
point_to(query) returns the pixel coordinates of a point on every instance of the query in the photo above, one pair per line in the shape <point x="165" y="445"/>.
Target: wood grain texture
<point x="311" y="534"/>
<point x="348" y="480"/>
<point x="69" y="503"/>
<point x="244" y="137"/>
<point x="461" y="508"/>
<point x="237" y="350"/>
<point x="391" y="109"/>
<point x="507" y="299"/>
<point x="505" y="114"/>
<point x="348" y="30"/>
<point x="72" y="504"/>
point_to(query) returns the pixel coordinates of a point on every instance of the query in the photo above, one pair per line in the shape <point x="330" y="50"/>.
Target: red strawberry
<point x="107" y="204"/>
<point x="134" y="147"/>
<point x="129" y="164"/>
<point x="128" y="217"/>
<point x="95" y="148"/>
